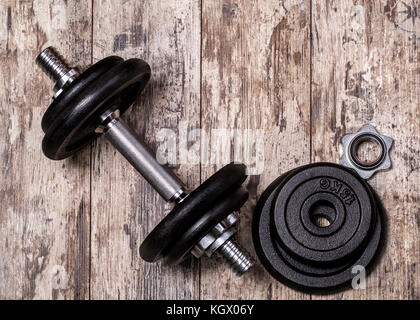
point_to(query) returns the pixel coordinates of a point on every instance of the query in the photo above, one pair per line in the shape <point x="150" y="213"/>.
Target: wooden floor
<point x="304" y="72"/>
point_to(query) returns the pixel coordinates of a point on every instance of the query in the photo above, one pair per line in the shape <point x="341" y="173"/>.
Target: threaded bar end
<point x="52" y="64"/>
<point x="238" y="258"/>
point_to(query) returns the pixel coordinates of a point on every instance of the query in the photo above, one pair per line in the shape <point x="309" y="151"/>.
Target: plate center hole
<point x="322" y="213"/>
<point x="367" y="151"/>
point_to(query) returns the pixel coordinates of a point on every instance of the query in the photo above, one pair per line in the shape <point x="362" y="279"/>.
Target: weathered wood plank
<point x="124" y="207"/>
<point x="255" y="75"/>
<point x="366" y="70"/>
<point x="44" y="233"/>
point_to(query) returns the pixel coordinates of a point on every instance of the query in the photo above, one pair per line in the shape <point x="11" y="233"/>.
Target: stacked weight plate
<point x="298" y="251"/>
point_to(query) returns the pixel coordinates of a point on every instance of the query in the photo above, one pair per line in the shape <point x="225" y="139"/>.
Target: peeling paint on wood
<point x="372" y="79"/>
<point x="44" y="233"/>
<point x="124" y="207"/>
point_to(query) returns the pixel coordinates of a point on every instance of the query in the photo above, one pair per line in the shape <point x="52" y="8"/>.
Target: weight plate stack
<point x="314" y="224"/>
<point x="194" y="217"/>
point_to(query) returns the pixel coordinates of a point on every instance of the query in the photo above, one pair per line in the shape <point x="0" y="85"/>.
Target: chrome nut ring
<point x="366" y="169"/>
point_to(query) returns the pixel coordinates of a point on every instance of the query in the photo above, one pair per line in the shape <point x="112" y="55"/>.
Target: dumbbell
<point x="89" y="104"/>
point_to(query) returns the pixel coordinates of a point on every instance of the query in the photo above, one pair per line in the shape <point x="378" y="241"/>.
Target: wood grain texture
<point x="304" y="72"/>
<point x="255" y="71"/>
<point x="365" y="69"/>
<point x="44" y="233"/>
<point x="124" y="207"/>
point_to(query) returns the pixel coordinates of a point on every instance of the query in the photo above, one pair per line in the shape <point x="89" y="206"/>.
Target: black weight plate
<point x="310" y="277"/>
<point x="190" y="210"/>
<point x="224" y="206"/>
<point x="310" y="269"/>
<point x="301" y="274"/>
<point x="75" y="126"/>
<point x="336" y="185"/>
<point x="76" y="87"/>
<point x="295" y="264"/>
